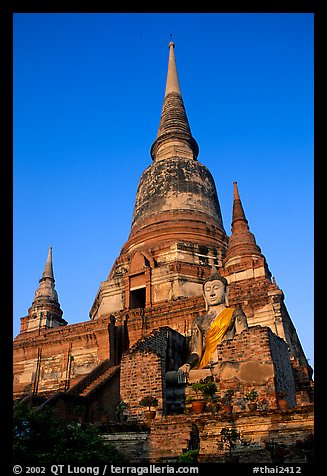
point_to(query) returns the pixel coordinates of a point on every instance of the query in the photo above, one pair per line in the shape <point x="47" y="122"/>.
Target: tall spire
<point x="48" y="270"/>
<point x="174" y="138"/>
<point x="242" y="241"/>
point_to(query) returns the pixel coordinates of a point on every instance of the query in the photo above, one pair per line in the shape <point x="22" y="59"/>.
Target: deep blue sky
<point x="88" y="92"/>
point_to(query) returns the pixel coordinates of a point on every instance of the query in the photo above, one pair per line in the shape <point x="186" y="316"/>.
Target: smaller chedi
<point x="45" y="311"/>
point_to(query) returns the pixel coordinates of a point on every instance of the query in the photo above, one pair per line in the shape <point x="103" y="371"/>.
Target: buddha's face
<point x="214" y="292"/>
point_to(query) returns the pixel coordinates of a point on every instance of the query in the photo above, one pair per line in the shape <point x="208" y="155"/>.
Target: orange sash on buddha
<point x="215" y="334"/>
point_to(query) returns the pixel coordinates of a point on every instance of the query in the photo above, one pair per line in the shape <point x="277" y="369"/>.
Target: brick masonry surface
<point x="155" y="445"/>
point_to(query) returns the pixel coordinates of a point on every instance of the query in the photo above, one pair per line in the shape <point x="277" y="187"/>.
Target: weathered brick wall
<point x="166" y="430"/>
<point x="144" y="366"/>
<point x="255" y="429"/>
<point x="284" y="378"/>
<point x="141" y="375"/>
<point x="178" y="315"/>
<point x="250" y="293"/>
<point x="89" y="344"/>
<point x="169" y="436"/>
<point x="142" y="371"/>
<point x="134" y="445"/>
<point x="49" y="354"/>
<point x="255" y="359"/>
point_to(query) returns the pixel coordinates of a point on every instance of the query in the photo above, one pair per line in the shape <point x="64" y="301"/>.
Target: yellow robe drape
<point x="215" y="334"/>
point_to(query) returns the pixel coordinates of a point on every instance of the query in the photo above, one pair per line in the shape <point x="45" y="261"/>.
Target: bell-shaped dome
<point x="176" y="188"/>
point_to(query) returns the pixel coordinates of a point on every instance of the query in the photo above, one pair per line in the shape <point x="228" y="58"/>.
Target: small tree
<point x="230" y="436"/>
<point x="197" y="388"/>
<point x="149" y="401"/>
<point x="206" y="389"/>
<point x="209" y="389"/>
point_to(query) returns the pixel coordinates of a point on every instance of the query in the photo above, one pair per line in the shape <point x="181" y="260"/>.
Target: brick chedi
<point x="141" y="320"/>
<point x="250" y="284"/>
<point x="45" y="312"/>
<point x="177" y="233"/>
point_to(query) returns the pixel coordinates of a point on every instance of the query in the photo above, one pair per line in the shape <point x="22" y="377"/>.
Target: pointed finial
<point x="48" y="270"/>
<point x="238" y="212"/>
<point x="172" y="83"/>
<point x="171" y="41"/>
<point x="236" y="194"/>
